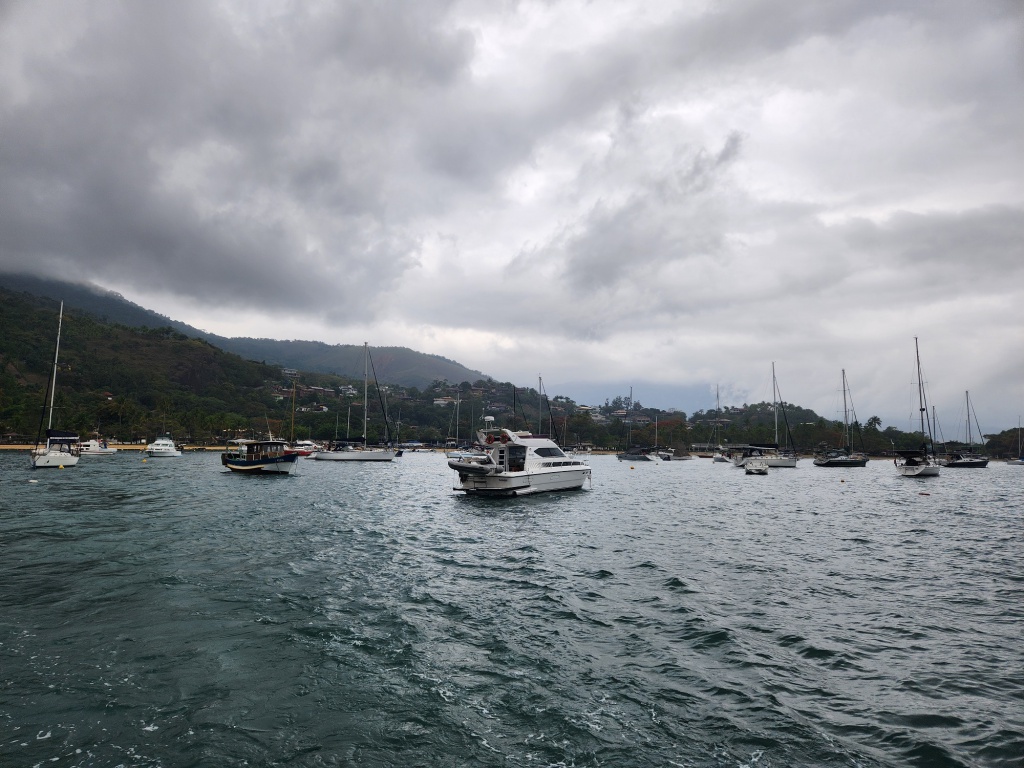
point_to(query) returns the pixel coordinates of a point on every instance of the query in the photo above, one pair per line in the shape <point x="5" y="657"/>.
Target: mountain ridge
<point x="393" y="365"/>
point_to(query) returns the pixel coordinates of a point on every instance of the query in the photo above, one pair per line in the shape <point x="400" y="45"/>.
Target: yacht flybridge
<point x="518" y="463"/>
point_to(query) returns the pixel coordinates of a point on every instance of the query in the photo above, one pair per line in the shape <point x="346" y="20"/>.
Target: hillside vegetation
<point x="135" y="383"/>
<point x="397" y="365"/>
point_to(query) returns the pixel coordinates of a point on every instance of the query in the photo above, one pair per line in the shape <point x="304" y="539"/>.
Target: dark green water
<point x="164" y="613"/>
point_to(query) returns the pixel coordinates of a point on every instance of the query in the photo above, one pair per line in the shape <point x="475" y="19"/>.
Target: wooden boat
<point x="259" y="456"/>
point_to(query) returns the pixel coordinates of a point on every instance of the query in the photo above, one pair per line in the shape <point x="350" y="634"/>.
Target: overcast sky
<point x="664" y="195"/>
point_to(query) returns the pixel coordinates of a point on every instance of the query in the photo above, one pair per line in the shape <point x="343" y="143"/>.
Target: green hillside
<point x="135" y="383"/>
<point x="395" y="365"/>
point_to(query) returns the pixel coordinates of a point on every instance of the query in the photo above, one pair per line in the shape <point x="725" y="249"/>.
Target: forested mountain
<point x="395" y="365"/>
<point x="133" y="383"/>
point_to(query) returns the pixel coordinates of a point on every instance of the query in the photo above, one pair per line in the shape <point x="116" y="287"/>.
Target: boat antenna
<point x="51" y="383"/>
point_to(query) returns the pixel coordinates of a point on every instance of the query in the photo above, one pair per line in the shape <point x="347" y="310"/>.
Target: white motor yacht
<point x="516" y="464"/>
<point x="97" y="448"/>
<point x="163" y="448"/>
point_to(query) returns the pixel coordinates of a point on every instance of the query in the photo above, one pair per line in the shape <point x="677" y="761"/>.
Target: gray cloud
<point x="710" y="188"/>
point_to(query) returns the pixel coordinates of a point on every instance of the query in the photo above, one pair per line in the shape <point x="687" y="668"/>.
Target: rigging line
<point x="860" y="432"/>
<point x="380" y="397"/>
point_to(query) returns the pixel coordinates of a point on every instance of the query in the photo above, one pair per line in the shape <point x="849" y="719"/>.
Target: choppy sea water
<point x="165" y="613"/>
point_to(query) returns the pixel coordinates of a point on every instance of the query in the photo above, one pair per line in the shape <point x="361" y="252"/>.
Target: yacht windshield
<point x="548" y="452"/>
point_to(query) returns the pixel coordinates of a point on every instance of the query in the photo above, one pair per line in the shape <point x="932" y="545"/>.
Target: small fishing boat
<point x="61" y="448"/>
<point x="756" y="466"/>
<point x="517" y="464"/>
<point x="163" y="448"/>
<point x="259" y="456"/>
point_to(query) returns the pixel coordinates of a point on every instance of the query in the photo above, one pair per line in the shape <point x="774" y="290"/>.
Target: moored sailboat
<point x="357" y="450"/>
<point x="919" y="463"/>
<point x="62" y="448"/>
<point x="1019" y="461"/>
<point x="826" y="456"/>
<point x="968" y="458"/>
<point x="785" y="456"/>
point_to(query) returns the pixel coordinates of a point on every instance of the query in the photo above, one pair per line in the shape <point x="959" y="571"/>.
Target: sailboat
<point x="719" y="454"/>
<point x="62" y="449"/>
<point x="770" y="451"/>
<point x="919" y="463"/>
<point x="967" y="459"/>
<point x="357" y="450"/>
<point x="845" y="456"/>
<point x="1019" y="461"/>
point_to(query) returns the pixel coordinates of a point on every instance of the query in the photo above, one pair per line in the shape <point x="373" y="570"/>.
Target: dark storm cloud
<point x="667" y="171"/>
<point x="164" y="145"/>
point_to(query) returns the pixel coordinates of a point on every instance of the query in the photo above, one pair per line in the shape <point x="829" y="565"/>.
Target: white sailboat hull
<point x="54" y="459"/>
<point x="918" y="470"/>
<point x="354" y="455"/>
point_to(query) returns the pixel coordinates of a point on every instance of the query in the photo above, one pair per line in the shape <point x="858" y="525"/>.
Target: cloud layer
<point x="668" y="194"/>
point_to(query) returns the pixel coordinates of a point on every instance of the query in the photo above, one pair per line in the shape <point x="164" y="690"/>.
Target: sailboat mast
<point x="846" y="416"/>
<point x="293" y="411"/>
<point x="775" y="407"/>
<point x="718" y="418"/>
<point x="970" y="441"/>
<point x="56" y="352"/>
<point x="922" y="405"/>
<point x="366" y="384"/>
<point x="540" y="405"/>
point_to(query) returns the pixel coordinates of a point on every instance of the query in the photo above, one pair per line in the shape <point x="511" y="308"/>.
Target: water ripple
<point x="167" y="613"/>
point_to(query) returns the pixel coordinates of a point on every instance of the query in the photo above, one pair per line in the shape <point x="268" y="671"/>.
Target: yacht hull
<point x="967" y="464"/>
<point x="522" y="483"/>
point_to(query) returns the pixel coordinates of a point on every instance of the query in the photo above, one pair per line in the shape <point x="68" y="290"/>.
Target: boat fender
<point x="490" y="439"/>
